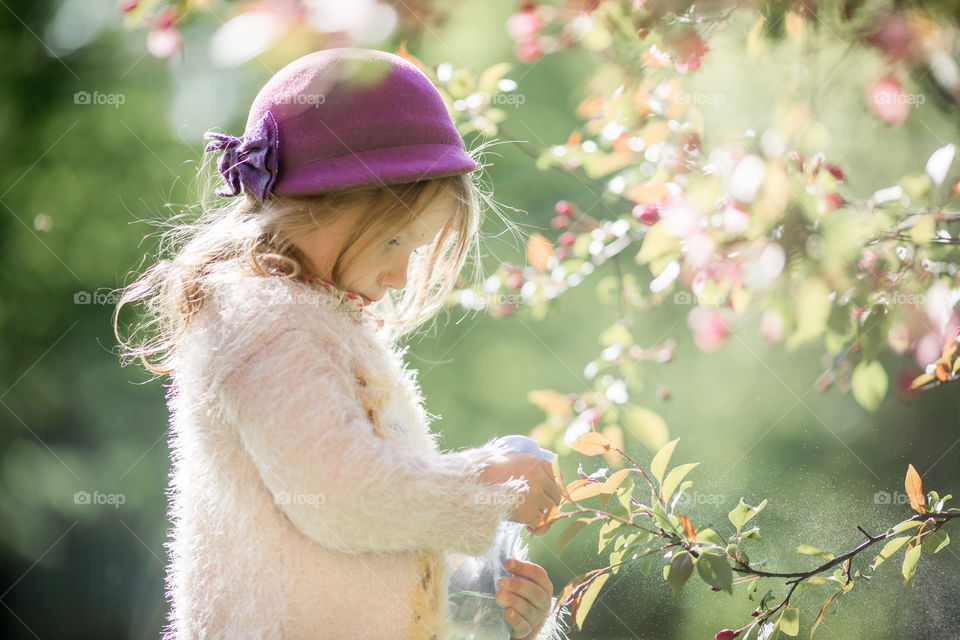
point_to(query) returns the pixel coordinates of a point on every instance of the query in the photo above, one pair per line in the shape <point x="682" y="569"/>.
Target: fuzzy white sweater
<point x="308" y="496"/>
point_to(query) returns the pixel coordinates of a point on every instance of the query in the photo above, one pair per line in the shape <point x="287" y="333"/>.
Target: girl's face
<point x="384" y="265"/>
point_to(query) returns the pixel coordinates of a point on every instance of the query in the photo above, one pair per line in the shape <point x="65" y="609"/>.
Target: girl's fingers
<point x="552" y="492"/>
<point x="521" y="625"/>
<point x="551" y="495"/>
<point x="531" y="571"/>
<point x="526" y="589"/>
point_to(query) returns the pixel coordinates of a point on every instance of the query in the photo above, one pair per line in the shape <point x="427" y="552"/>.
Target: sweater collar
<point x="349" y="303"/>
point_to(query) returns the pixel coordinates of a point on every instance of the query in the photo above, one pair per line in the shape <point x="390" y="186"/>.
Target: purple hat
<point x="339" y="119"/>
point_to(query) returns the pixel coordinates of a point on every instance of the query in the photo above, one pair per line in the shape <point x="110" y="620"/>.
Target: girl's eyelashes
<point x="419" y="251"/>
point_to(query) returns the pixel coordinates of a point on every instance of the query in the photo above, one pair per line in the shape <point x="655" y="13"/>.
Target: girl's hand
<point x="526" y="597"/>
<point x="544" y="492"/>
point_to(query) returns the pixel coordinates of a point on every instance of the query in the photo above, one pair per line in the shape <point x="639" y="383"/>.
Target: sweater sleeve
<point x="298" y="416"/>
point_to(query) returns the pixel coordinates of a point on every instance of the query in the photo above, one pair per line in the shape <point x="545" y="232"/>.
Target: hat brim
<point x="375" y="167"/>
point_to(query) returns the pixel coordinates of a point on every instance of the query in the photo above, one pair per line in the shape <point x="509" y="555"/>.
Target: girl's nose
<point x="395" y="279"/>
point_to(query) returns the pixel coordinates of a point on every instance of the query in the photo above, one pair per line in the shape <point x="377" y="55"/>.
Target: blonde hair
<point x="244" y="230"/>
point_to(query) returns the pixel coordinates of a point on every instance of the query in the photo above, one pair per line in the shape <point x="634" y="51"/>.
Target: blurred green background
<point x="80" y="183"/>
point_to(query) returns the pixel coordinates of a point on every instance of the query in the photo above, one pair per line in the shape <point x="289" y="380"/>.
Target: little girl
<point x="308" y="495"/>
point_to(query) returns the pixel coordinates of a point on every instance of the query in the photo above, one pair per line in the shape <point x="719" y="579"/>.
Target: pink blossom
<point x="735" y="219"/>
<point x="524" y="25"/>
<point x="710" y="327"/>
<point x="689" y="48"/>
<point x="771" y="326"/>
<point x="680" y="220"/>
<point x="567" y="238"/>
<point x="888" y="101"/>
<point x="699" y="248"/>
<point x="163" y="43"/>
<point x="527" y="51"/>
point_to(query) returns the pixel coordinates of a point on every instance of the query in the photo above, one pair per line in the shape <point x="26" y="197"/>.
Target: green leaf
<point x="751" y="534"/>
<point x="658" y="466"/>
<point x="813" y="551"/>
<point x="903" y="526"/>
<point x="571" y="531"/>
<point x="616" y="334"/>
<point x="924" y="230"/>
<point x="661" y="518"/>
<point x="645" y="566"/>
<point x="934" y="542"/>
<point x="708" y="535"/>
<point x="608" y="532"/>
<point x="491" y="76"/>
<point x="589" y="596"/>
<point x="673" y="479"/>
<point x="812" y="311"/>
<point x="657" y="242"/>
<point x="742" y="513"/>
<point x="874" y="332"/>
<point x="910" y="560"/>
<point x="869" y="384"/>
<point x="891" y="547"/>
<point x="790" y="621"/>
<point x="625" y="493"/>
<point x="616" y="558"/>
<point x="715" y="571"/>
<point x="646" y="426"/>
<point x="680" y="569"/>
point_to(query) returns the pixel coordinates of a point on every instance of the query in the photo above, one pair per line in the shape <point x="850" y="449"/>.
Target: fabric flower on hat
<point x="248" y="163"/>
